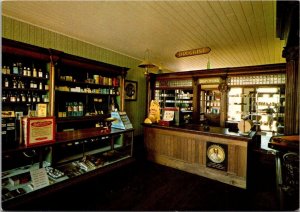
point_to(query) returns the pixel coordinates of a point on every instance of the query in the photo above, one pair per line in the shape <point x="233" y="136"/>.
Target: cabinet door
<point x="210" y="104"/>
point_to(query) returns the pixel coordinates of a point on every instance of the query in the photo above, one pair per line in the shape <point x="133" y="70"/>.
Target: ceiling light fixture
<point x="146" y="64"/>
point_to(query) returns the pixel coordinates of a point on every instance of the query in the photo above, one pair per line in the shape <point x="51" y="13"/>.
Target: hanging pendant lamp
<point x="146" y="64"/>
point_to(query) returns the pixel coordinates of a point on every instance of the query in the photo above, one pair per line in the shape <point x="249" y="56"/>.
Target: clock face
<point x="216" y="153"/>
<point x="130" y="90"/>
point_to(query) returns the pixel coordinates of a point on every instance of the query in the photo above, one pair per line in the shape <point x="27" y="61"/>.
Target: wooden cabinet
<point x="80" y="94"/>
<point x="25" y="83"/>
<point x="260" y="98"/>
<point x="220" y="96"/>
<point x="175" y="94"/>
<point x="86" y="91"/>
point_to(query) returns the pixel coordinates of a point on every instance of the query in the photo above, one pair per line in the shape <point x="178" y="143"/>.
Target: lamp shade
<point x="147" y="64"/>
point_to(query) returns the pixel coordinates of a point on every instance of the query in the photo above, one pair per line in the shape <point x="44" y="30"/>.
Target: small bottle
<point x="40" y="73"/>
<point x="41" y="86"/>
<point x="23" y="97"/>
<point x="4" y="97"/>
<point x="19" y="83"/>
<point x="38" y="98"/>
<point x="12" y="98"/>
<point x="31" y="84"/>
<point x="6" y="83"/>
<point x="33" y="97"/>
<point x="28" y="97"/>
<point x="75" y="109"/>
<point x="28" y="72"/>
<point x="15" y="69"/>
<point x="8" y="70"/>
<point x="34" y="72"/>
<point x="24" y="72"/>
<point x="47" y="75"/>
<point x="45" y="98"/>
<point x="18" y="98"/>
<point x="70" y="109"/>
<point x="3" y="69"/>
<point x="80" y="109"/>
<point x="20" y="68"/>
<point x="14" y="83"/>
<point x="8" y="96"/>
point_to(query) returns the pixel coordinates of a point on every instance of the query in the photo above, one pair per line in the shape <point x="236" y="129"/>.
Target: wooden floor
<point x="145" y="186"/>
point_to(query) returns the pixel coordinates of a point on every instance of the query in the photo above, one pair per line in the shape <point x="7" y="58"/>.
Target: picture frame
<point x="130" y="90"/>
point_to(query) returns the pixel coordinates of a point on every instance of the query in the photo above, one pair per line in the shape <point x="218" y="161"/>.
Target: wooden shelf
<point x="64" y="82"/>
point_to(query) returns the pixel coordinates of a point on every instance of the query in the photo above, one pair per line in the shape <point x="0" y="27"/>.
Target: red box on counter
<point x="38" y="130"/>
<point x="164" y="123"/>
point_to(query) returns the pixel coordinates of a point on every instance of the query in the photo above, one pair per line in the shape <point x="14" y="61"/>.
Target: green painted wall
<point x="23" y="32"/>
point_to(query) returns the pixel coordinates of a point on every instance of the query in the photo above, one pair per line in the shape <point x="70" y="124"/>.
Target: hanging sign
<point x="193" y="52"/>
<point x="212" y="80"/>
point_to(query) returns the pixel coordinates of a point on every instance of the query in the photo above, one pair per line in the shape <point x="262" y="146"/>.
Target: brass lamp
<point x="146" y="64"/>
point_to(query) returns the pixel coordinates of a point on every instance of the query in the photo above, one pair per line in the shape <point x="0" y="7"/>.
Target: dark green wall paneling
<point x="23" y="32"/>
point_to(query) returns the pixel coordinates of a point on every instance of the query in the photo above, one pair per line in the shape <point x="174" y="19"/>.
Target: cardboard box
<point x="38" y="130"/>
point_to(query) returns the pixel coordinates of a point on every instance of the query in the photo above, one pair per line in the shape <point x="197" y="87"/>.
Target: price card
<point x="168" y="115"/>
<point x="39" y="178"/>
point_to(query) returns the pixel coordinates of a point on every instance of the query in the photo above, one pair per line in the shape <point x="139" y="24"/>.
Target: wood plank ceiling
<point x="239" y="33"/>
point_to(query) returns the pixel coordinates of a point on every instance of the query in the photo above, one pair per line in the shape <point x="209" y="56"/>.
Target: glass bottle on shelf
<point x="40" y="73"/>
<point x="4" y="96"/>
<point x="29" y="97"/>
<point x="80" y="109"/>
<point x="20" y="67"/>
<point x="38" y="98"/>
<point x="28" y="72"/>
<point x="33" y="97"/>
<point x="6" y="83"/>
<point x="12" y="97"/>
<point x="24" y="72"/>
<point x="75" y="109"/>
<point x="18" y="98"/>
<point x="14" y="83"/>
<point x="40" y="86"/>
<point x="15" y="69"/>
<point x="23" y="97"/>
<point x="34" y="72"/>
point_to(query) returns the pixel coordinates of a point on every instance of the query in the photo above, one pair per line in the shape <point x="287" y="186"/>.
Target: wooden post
<point x="292" y="90"/>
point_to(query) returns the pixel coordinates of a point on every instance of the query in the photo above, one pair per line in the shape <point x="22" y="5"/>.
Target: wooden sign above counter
<point x="193" y="52"/>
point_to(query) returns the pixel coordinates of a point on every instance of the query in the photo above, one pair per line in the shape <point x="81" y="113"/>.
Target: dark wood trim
<point x="223" y="72"/>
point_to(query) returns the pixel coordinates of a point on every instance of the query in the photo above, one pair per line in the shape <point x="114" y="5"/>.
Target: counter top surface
<point x="197" y="129"/>
<point x="87" y="133"/>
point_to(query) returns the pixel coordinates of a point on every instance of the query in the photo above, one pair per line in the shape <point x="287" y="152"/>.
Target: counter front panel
<point x="215" y="154"/>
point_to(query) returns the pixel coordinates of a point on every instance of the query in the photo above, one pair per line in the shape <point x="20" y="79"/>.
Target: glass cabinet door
<point x="210" y="105"/>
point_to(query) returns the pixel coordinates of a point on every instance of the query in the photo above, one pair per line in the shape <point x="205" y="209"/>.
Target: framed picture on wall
<point x="130" y="90"/>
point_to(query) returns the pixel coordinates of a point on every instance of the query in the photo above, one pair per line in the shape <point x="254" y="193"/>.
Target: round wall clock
<point x="216" y="153"/>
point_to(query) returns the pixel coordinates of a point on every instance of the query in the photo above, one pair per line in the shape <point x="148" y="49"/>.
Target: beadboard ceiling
<point x="239" y="33"/>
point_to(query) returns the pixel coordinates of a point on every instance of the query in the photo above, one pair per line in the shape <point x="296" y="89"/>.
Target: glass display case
<point x="175" y="94"/>
<point x="263" y="105"/>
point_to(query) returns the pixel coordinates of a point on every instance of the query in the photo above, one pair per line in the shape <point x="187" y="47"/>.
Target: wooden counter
<point x="185" y="148"/>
